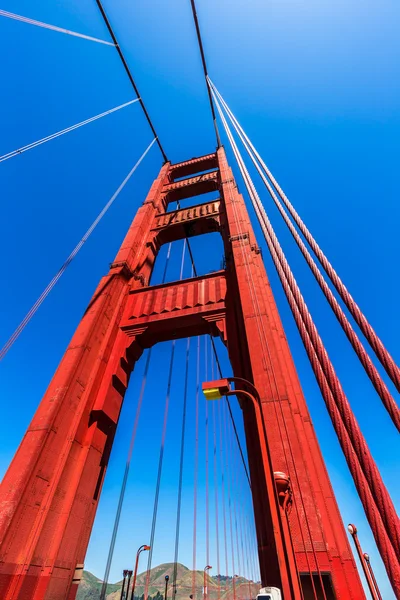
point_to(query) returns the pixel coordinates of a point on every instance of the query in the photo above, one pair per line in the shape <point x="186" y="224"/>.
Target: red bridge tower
<point x="49" y="496"/>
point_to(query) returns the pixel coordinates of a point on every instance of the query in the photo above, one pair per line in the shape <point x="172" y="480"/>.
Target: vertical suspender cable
<point x="332" y="392"/>
<point x="206" y="463"/>
<point x="125" y="480"/>
<point x="181" y="460"/>
<point x="377" y="381"/>
<point x="381" y="352"/>
<point x="221" y="457"/>
<point x="159" y="472"/>
<point x="196" y="466"/>
<point x="216" y="495"/>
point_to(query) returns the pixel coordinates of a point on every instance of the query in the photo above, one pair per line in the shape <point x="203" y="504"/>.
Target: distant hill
<point x="90" y="586"/>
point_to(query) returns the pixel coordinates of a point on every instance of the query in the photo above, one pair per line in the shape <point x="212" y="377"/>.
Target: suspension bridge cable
<point x="181" y="461"/>
<point x="64" y="131"/>
<point x="196" y="467"/>
<point x="161" y="455"/>
<point x="129" y="457"/>
<point x="222" y="469"/>
<point x="373" y="374"/>
<point x="70" y="258"/>
<point x="203" y="60"/>
<point x="9" y="15"/>
<point x="215" y="469"/>
<point x="129" y="73"/>
<point x="244" y="174"/>
<point x="206" y="461"/>
<point x="374" y="496"/>
<point x="124" y="481"/>
<point x="381" y="352"/>
<point x="220" y="374"/>
<point x="159" y="471"/>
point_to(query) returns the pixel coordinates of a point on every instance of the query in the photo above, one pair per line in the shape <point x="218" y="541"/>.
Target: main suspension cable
<point x="381" y="352"/>
<point x="9" y="15"/>
<point x="203" y="60"/>
<point x="128" y="72"/>
<point x="331" y="390"/>
<point x="377" y="381"/>
<point x="63" y="131"/>
<point x="68" y="261"/>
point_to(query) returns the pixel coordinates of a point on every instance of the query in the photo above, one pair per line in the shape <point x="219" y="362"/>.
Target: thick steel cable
<point x="292" y="459"/>
<point x="381" y="498"/>
<point x="372" y="474"/>
<point x="124" y="480"/>
<point x="181" y="461"/>
<point x="381" y="352"/>
<point x="196" y="468"/>
<point x="128" y="72"/>
<point x="68" y="261"/>
<point x="377" y="381"/>
<point x="203" y="61"/>
<point x="9" y="15"/>
<point x="63" y="131"/>
<point x="263" y="340"/>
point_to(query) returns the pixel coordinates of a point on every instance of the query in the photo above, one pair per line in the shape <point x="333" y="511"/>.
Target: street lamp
<point x="138" y="553"/>
<point x="289" y="577"/>
<point x="124" y="574"/>
<point x="353" y="532"/>
<point x="234" y="586"/>
<point x="166" y="587"/>
<point x="128" y="574"/>
<point x="370" y="569"/>
<point x="207" y="568"/>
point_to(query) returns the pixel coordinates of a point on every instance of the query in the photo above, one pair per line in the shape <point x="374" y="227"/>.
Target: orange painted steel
<point x="50" y="493"/>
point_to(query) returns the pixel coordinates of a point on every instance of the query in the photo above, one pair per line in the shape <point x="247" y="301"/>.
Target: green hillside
<point x="90" y="586"/>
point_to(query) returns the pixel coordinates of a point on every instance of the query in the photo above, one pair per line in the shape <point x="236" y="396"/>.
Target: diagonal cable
<point x="9" y="15"/>
<point x="48" y="138"/>
<point x="68" y="261"/>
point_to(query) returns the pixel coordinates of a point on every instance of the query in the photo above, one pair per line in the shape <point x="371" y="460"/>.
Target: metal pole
<point x="353" y="532"/>
<point x="371" y="571"/>
<point x="124" y="573"/>
<point x="140" y="550"/>
<point x="128" y="584"/>
<point x="166" y="587"/>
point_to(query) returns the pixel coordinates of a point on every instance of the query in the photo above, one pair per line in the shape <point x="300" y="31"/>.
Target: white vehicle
<point x="269" y="593"/>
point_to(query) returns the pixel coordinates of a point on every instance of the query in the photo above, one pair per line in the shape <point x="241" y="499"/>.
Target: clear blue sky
<point x="317" y="86"/>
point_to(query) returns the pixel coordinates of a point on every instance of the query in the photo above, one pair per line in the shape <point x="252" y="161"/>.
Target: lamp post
<point x="234" y="586"/>
<point x="289" y="577"/>
<point x="166" y="587"/>
<point x="207" y="568"/>
<point x="353" y="532"/>
<point x="124" y="574"/>
<point x="370" y="569"/>
<point x="138" y="553"/>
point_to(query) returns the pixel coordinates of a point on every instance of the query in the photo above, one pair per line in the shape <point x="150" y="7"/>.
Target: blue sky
<point x="316" y="85"/>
